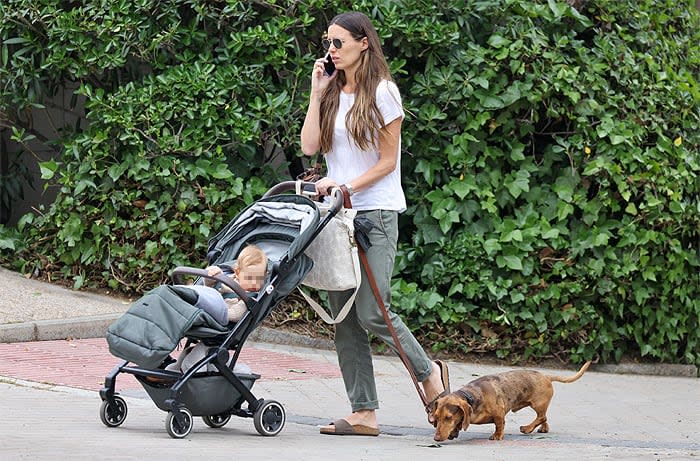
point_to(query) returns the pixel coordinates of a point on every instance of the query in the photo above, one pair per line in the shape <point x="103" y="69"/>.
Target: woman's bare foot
<point x="362" y="417"/>
<point x="433" y="386"/>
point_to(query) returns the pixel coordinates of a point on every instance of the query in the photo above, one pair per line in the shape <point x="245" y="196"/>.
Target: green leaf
<point x="462" y="188"/>
<point x="492" y="102"/>
<point x="601" y="239"/>
<point x="563" y="210"/>
<point x="519" y="184"/>
<point x="433" y="300"/>
<point x="15" y="41"/>
<point x="564" y="188"/>
<point x="48" y="169"/>
<point x="7" y="244"/>
<point x="498" y="41"/>
<point x="514" y="235"/>
<point x="551" y="234"/>
<point x="426" y="169"/>
<point x="559" y="9"/>
<point x="492" y="246"/>
<point x="222" y="172"/>
<point x="511" y="261"/>
<point x="115" y="171"/>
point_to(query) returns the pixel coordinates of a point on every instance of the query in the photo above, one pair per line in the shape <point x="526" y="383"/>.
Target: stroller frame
<point x="221" y="393"/>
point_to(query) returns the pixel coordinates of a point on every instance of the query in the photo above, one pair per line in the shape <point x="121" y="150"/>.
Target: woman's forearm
<point x="311" y="130"/>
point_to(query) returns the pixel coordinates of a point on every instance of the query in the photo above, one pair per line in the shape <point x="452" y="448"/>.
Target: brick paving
<point x="84" y="363"/>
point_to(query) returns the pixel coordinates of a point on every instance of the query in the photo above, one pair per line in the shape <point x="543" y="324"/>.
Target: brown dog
<point x="488" y="399"/>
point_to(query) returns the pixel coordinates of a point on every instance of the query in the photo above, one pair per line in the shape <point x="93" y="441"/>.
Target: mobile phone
<point x="328" y="65"/>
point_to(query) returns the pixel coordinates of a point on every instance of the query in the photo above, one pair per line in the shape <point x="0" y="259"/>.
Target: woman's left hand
<point x="324" y="186"/>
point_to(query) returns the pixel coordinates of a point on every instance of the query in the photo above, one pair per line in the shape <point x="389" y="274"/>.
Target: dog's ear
<point x="466" y="414"/>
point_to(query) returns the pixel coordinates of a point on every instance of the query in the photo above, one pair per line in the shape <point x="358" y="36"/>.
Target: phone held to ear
<point x="328" y="65"/>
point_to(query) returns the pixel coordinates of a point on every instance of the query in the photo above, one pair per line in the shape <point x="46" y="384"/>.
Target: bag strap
<point x="348" y="304"/>
<point x="380" y="302"/>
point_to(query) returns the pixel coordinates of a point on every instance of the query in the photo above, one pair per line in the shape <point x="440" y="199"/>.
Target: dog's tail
<point x="570" y="379"/>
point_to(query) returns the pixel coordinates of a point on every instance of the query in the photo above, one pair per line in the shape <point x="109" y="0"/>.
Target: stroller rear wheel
<point x="269" y="418"/>
<point x="179" y="429"/>
<point x="113" y="414"/>
<point x="216" y="421"/>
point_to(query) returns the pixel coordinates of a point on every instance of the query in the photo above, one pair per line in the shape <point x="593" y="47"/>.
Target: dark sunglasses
<point x="337" y="43"/>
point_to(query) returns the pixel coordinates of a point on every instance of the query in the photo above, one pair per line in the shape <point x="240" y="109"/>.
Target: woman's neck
<point x="350" y="81"/>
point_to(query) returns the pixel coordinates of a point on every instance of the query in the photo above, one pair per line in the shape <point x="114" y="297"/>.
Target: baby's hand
<point x="213" y="271"/>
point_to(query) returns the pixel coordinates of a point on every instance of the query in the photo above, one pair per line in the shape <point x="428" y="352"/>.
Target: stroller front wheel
<point x="216" y="421"/>
<point x="269" y="418"/>
<point x="179" y="429"/>
<point x="113" y="414"/>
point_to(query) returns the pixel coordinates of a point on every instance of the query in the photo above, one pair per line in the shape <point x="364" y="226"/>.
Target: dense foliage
<point x="551" y="161"/>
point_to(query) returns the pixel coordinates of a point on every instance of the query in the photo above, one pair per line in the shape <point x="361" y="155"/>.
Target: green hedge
<point x="551" y="155"/>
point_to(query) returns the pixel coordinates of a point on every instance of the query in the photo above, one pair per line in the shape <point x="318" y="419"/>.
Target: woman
<point x="354" y="118"/>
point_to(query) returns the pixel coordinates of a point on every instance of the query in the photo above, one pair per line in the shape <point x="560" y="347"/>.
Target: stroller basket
<point x="203" y="394"/>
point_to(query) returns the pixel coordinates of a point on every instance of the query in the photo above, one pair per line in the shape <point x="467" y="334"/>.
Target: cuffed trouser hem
<point x="357" y="406"/>
<point x="423" y="375"/>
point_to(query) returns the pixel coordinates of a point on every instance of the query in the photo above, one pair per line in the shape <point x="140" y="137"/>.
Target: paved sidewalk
<point x="50" y="407"/>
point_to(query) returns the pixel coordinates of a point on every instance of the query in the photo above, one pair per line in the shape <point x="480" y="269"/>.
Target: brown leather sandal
<point x="342" y="427"/>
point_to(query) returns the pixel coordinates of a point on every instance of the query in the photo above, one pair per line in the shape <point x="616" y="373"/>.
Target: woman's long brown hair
<point x="364" y="119"/>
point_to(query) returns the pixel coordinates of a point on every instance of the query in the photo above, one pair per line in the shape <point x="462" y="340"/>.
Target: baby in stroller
<point x="249" y="271"/>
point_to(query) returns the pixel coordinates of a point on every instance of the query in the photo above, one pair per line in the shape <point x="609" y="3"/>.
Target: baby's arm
<point x="236" y="309"/>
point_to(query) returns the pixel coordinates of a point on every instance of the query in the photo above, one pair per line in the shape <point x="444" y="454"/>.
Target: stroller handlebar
<point x="308" y="189"/>
<point x="181" y="271"/>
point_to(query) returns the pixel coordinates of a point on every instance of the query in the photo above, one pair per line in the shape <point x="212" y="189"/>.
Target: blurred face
<point x="347" y="56"/>
<point x="251" y="278"/>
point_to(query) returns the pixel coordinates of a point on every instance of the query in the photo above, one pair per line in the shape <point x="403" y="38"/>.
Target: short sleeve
<point x="389" y="101"/>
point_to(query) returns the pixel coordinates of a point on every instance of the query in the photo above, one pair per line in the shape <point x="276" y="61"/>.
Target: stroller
<point x="282" y="225"/>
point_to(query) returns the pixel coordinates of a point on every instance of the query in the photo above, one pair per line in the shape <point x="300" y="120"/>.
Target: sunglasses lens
<point x="337" y="43"/>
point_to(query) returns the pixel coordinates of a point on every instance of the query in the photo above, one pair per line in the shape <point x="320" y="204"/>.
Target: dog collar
<point x="466" y="395"/>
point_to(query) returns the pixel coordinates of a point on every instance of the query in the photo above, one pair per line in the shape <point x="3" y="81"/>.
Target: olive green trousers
<point x="351" y="339"/>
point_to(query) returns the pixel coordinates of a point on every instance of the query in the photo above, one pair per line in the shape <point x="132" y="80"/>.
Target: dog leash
<point x="385" y="313"/>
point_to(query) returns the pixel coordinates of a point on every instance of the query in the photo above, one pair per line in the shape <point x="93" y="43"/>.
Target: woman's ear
<point x="365" y="44"/>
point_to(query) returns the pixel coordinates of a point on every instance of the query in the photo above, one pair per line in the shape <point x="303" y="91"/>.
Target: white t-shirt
<point x="346" y="161"/>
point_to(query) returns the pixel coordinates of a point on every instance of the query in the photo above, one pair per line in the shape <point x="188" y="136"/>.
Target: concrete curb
<point x="47" y="330"/>
<point x="651" y="369"/>
<point x="96" y="326"/>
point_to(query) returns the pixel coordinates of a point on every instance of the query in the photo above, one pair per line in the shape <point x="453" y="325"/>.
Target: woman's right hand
<point x="311" y="130"/>
<point x="319" y="79"/>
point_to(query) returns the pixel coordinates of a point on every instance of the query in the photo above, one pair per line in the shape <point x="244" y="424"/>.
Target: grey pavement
<point x="604" y="415"/>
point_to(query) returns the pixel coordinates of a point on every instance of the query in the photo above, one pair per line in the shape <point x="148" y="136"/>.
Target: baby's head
<point x="250" y="268"/>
